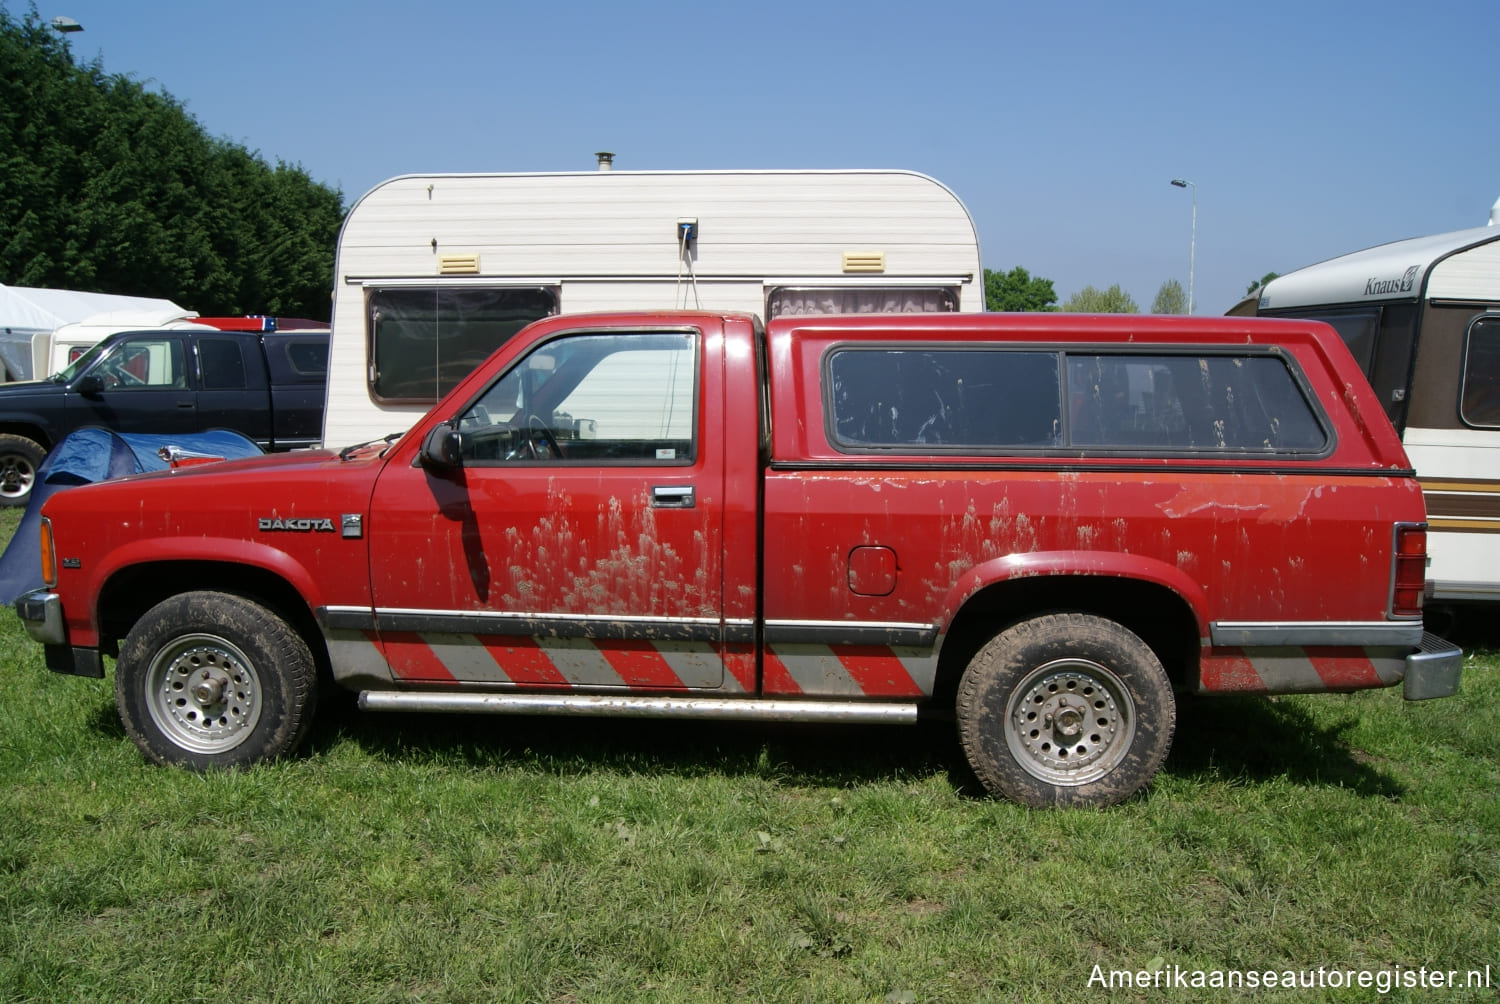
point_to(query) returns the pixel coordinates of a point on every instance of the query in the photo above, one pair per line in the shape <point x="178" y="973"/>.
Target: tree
<point x="1170" y="299"/>
<point x="1089" y="300"/>
<point x="108" y="187"/>
<point x="1260" y="282"/>
<point x="1017" y="290"/>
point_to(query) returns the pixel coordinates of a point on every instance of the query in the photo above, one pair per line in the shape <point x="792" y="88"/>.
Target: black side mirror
<point x="443" y="449"/>
<point x="90" y="386"/>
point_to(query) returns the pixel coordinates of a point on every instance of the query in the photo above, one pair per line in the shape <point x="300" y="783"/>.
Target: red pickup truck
<point x="1041" y="525"/>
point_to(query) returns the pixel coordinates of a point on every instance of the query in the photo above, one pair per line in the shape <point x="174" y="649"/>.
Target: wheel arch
<point x="1168" y="621"/>
<point x="134" y="589"/>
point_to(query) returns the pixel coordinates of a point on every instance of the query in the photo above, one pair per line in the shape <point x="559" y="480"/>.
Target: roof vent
<point x="458" y="264"/>
<point x="606" y="159"/>
<point x="864" y="261"/>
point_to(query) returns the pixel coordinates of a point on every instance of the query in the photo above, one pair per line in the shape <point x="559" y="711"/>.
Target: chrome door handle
<point x="672" y="496"/>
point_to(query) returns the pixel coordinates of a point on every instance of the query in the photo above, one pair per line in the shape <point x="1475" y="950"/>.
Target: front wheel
<point x="1066" y="709"/>
<point x="19" y="459"/>
<point x="209" y="679"/>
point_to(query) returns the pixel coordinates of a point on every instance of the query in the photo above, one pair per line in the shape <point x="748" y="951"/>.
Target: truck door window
<point x="616" y="398"/>
<point x="144" y="363"/>
<point x="424" y="340"/>
<point x="1480" y="403"/>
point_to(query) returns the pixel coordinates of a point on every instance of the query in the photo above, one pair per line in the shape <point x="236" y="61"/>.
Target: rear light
<point x="1409" y="572"/>
<point x="48" y="555"/>
<point x="76" y="353"/>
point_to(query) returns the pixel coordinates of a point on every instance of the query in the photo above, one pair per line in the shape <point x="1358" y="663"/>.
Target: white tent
<point x="24" y="311"/>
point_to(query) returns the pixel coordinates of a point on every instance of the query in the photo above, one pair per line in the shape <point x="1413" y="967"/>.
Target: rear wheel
<point x="1066" y="709"/>
<point x="19" y="459"/>
<point x="210" y="679"/>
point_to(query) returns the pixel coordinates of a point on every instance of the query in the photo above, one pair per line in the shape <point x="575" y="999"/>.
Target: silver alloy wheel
<point x="17" y="475"/>
<point x="203" y="693"/>
<point x="1070" y="722"/>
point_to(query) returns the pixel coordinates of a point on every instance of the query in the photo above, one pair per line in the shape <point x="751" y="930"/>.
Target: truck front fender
<point x="1038" y="564"/>
<point x="206" y="550"/>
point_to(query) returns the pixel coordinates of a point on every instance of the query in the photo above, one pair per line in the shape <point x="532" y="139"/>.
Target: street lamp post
<point x="65" y="25"/>
<point x="1193" y="244"/>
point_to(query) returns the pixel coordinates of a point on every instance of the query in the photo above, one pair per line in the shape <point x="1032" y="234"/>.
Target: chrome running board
<point x="628" y="706"/>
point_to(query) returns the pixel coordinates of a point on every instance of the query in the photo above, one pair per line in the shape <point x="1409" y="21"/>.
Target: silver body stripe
<point x="697" y="665"/>
<point x="353" y="656"/>
<point x="465" y="657"/>
<point x="817" y="670"/>
<point x="580" y="662"/>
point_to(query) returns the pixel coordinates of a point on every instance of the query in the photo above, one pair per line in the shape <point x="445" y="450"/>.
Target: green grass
<point x="408" y="857"/>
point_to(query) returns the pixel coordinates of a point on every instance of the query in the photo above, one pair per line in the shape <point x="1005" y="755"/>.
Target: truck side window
<point x="617" y="398"/>
<point x="222" y="363"/>
<point x="944" y="398"/>
<point x="1480" y="401"/>
<point x="1189" y="402"/>
<point x="424" y="340"/>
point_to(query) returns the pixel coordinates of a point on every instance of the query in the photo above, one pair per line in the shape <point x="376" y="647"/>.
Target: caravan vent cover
<point x="864" y="261"/>
<point x="458" y="264"/>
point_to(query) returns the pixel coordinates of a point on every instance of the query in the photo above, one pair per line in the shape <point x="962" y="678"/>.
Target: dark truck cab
<point x="267" y="386"/>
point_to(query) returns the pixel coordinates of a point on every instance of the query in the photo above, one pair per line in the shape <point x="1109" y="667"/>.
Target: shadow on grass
<point x="1249" y="739"/>
<point x="1261" y="739"/>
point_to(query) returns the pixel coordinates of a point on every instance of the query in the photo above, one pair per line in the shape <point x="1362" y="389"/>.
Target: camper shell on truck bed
<point x="1043" y="525"/>
<point x="432" y="273"/>
<point x="1422" y="318"/>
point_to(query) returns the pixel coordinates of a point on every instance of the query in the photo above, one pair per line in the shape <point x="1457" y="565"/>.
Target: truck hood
<point x="282" y="485"/>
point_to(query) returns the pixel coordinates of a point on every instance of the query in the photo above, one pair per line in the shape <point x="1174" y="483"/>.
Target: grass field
<point x="498" y="859"/>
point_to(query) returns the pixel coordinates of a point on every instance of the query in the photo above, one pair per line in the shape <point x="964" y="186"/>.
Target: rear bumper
<point x="42" y="614"/>
<point x="1434" y="670"/>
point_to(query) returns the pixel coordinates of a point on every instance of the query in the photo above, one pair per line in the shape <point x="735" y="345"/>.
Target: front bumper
<point x="1433" y="670"/>
<point x="42" y="614"/>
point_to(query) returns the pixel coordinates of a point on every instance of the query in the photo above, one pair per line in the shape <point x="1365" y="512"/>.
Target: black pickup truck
<point x="267" y="386"/>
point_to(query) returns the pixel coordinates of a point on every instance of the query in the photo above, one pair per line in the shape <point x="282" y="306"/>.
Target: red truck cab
<point x="1042" y="525"/>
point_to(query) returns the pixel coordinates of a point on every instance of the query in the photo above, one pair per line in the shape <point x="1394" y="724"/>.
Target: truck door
<point x="141" y="384"/>
<point x="578" y="541"/>
<point x="233" y="391"/>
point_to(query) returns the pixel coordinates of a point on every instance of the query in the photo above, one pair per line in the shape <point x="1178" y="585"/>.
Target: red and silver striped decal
<point x="874" y="671"/>
<point x="1298" y="669"/>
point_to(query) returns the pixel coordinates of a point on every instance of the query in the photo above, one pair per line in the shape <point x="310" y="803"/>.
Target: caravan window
<point x="424" y="340"/>
<point x="1480" y="404"/>
<point x="788" y="301"/>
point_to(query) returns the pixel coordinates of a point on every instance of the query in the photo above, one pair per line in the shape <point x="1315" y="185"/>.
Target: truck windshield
<point x="70" y="372"/>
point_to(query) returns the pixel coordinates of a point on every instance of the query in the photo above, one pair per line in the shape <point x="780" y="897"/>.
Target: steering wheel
<point x="538" y="434"/>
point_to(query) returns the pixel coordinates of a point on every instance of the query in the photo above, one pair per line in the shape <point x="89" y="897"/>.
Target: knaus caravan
<point x="1422" y="316"/>
<point x="434" y="272"/>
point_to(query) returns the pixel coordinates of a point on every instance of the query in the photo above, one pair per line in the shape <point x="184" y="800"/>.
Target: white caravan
<point x="434" y="272"/>
<point x="1422" y="316"/>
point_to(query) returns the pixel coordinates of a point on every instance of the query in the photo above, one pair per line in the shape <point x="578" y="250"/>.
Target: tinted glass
<point x="1192" y="403"/>
<point x="222" y="362"/>
<point x="951" y="398"/>
<point x="1481" y="394"/>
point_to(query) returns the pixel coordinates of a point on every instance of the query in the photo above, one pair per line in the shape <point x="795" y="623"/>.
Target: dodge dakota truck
<point x="1043" y="526"/>
<point x="268" y="387"/>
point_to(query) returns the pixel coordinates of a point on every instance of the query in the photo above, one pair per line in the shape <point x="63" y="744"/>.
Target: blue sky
<point x="1310" y="129"/>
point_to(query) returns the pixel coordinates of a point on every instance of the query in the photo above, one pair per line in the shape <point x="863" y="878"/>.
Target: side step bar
<point x="627" y="706"/>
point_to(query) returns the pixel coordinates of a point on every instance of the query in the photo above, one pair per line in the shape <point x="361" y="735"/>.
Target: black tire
<point x="210" y="679"/>
<point x="1065" y="709"/>
<point x="19" y="459"/>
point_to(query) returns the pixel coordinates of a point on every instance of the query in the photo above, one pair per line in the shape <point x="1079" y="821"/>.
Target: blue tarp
<point x="90" y="455"/>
